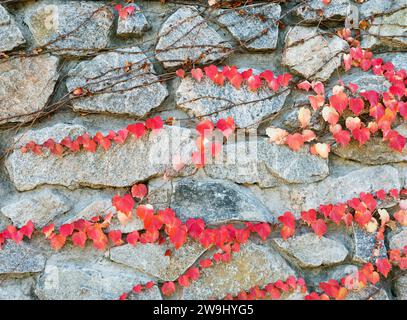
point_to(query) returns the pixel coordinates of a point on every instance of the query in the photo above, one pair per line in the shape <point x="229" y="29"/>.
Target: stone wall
<point x="51" y="47"/>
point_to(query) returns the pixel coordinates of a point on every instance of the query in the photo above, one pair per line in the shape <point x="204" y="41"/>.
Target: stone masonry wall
<point x="85" y="44"/>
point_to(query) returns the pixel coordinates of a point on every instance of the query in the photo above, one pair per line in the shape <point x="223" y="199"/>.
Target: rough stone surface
<point x="216" y="201"/>
<point x="256" y="27"/>
<point x="311" y="53"/>
<point x="387" y="30"/>
<point x="151" y="258"/>
<point x="333" y="189"/>
<point x="401" y="288"/>
<point x="185" y="35"/>
<point x="40" y="208"/>
<point x="365" y="80"/>
<point x="123" y="165"/>
<point x="48" y="48"/>
<point x="70" y="27"/>
<point x="253" y="265"/>
<point x="102" y="207"/>
<point x="16" y="288"/>
<point x="267" y="164"/>
<point x="365" y="245"/>
<point x="311" y="251"/>
<point x="87" y="279"/>
<point x="399" y="59"/>
<point x="247" y="108"/>
<point x="378" y="7"/>
<point x="21" y="258"/>
<point x="398" y="240"/>
<point x="25" y="86"/>
<point x="374" y="151"/>
<point x="10" y="35"/>
<point x="314" y="10"/>
<point x="117" y="90"/>
<point x="135" y="25"/>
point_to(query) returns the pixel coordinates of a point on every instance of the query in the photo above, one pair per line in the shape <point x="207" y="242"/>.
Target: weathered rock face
<point x="311" y="53"/>
<point x="398" y="240"/>
<point x="253" y="265"/>
<point x="16" y="259"/>
<point x="314" y="10"/>
<point x="255" y="26"/>
<point x="365" y="245"/>
<point x="267" y="164"/>
<point x="126" y="63"/>
<point x="25" y="86"/>
<point x="374" y="151"/>
<point x="216" y="201"/>
<point x="333" y="189"/>
<point x="401" y="288"/>
<point x="70" y="27"/>
<point x="151" y="258"/>
<point x="40" y="207"/>
<point x="377" y="7"/>
<point x="102" y="207"/>
<point x="124" y="165"/>
<point x="311" y="251"/>
<point x="135" y="25"/>
<point x="387" y="30"/>
<point x="88" y="279"/>
<point x="116" y="89"/>
<point x="365" y="80"/>
<point x="185" y="35"/>
<point x="16" y="288"/>
<point x="10" y="35"/>
<point x="247" y="108"/>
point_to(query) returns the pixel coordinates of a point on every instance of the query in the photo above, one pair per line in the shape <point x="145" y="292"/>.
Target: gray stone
<point x="401" y="288"/>
<point x="102" y="207"/>
<point x="41" y="208"/>
<point x="334" y="189"/>
<point x="10" y="35"/>
<point x="134" y="91"/>
<point x="254" y="26"/>
<point x="378" y="7"/>
<point x="387" y="30"/>
<point x="120" y="166"/>
<point x="253" y="265"/>
<point x="267" y="164"/>
<point x="216" y="201"/>
<point x="365" y="80"/>
<point x="365" y="244"/>
<point x="374" y="151"/>
<point x="247" y="108"/>
<point x="136" y="24"/>
<point x="310" y="251"/>
<point x="16" y="288"/>
<point x="398" y="240"/>
<point x="151" y="259"/>
<point x="316" y="10"/>
<point x="70" y="27"/>
<point x="185" y="35"/>
<point x="20" y="258"/>
<point x="399" y="59"/>
<point x="311" y="53"/>
<point x="25" y="86"/>
<point x="371" y="292"/>
<point x="88" y="279"/>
